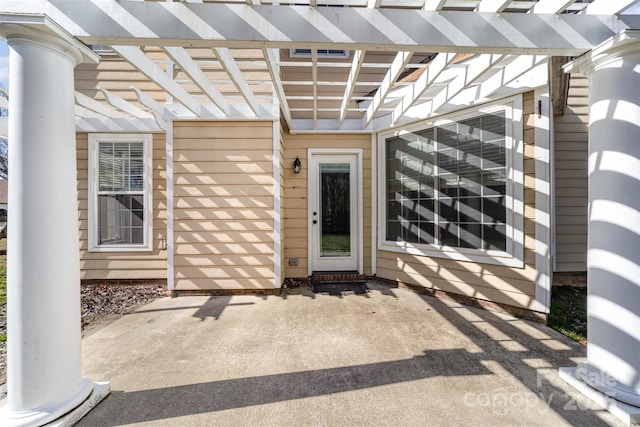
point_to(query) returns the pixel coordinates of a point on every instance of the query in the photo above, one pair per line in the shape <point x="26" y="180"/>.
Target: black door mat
<point x="338" y="288"/>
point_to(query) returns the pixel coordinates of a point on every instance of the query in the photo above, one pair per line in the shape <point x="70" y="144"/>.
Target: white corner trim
<point x="374" y="205"/>
<point x="92" y="193"/>
<point x="170" y="213"/>
<point x="543" y="197"/>
<point x="277" y="220"/>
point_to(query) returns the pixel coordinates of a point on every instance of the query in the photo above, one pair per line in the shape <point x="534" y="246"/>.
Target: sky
<point x="4" y="65"/>
<point x="4" y="54"/>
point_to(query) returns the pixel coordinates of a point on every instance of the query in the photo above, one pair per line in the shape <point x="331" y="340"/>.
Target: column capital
<point x="45" y="33"/>
<point x="610" y="51"/>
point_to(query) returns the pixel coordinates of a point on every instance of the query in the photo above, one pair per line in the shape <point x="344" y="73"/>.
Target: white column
<point x="44" y="378"/>
<point x="613" y="305"/>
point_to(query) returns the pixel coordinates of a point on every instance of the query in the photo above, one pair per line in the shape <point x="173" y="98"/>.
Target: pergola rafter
<point x="124" y="105"/>
<point x="397" y="66"/>
<point x="102" y="109"/>
<point x="231" y="67"/>
<point x="182" y="59"/>
<point x="367" y="30"/>
<point x="477" y="68"/>
<point x="140" y="61"/>
<point x="270" y="56"/>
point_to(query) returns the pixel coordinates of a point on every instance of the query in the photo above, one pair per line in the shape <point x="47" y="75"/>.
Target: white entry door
<point x="334" y="211"/>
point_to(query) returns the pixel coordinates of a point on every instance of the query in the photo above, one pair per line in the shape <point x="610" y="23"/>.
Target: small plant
<point x="569" y="312"/>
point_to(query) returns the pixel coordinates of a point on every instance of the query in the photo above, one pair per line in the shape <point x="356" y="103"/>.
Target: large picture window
<point x="120" y="206"/>
<point x="446" y="184"/>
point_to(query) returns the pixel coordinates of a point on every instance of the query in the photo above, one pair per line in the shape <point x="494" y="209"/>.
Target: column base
<point x="63" y="413"/>
<point x="628" y="414"/>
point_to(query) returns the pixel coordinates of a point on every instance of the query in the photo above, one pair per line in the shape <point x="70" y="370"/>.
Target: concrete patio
<point x="389" y="357"/>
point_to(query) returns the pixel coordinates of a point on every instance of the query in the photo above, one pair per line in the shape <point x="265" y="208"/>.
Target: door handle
<point x="315" y="221"/>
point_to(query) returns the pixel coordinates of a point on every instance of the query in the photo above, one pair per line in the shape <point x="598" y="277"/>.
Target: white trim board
<point x="360" y="203"/>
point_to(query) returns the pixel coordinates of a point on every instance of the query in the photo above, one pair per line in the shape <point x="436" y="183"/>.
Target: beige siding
<point x="504" y="285"/>
<point x="223" y="205"/>
<point x="295" y="193"/>
<point x="124" y="265"/>
<point x="571" y="180"/>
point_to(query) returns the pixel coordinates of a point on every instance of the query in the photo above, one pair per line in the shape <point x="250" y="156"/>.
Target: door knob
<point x="315" y="221"/>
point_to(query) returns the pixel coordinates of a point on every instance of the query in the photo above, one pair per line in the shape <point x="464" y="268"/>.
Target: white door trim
<point x="359" y="202"/>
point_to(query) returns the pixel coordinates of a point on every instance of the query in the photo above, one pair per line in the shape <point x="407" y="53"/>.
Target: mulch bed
<point x="100" y="304"/>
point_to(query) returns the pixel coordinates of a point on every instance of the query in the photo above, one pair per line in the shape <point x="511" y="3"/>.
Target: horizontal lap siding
<point x="124" y="265"/>
<point x="571" y="132"/>
<point x="499" y="284"/>
<point x="223" y="205"/>
<point x="295" y="193"/>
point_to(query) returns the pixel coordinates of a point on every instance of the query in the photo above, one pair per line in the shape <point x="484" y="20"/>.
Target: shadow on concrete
<point x="169" y="402"/>
<point x="518" y="350"/>
<point x="524" y="355"/>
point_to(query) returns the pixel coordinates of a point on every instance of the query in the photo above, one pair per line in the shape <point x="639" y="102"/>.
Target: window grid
<point x="120" y="193"/>
<point x="449" y="184"/>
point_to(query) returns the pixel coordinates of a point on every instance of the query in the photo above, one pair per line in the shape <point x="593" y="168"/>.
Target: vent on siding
<point x="102" y="50"/>
<point x="322" y="53"/>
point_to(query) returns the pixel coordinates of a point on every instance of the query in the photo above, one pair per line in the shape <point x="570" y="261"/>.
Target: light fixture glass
<point x="297" y="165"/>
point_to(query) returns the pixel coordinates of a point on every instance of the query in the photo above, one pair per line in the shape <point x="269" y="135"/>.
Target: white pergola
<point x="328" y="66"/>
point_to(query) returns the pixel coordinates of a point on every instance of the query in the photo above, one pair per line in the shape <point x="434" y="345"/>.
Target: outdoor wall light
<point x="297" y="165"/>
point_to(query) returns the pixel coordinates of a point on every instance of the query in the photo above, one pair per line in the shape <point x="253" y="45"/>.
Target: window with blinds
<point x="121" y="199"/>
<point x="120" y="193"/>
<point x="446" y="185"/>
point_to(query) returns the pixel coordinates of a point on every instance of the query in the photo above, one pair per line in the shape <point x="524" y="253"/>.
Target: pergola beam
<point x="257" y="26"/>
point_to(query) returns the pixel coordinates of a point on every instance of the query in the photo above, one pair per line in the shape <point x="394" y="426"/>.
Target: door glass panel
<point x="335" y="212"/>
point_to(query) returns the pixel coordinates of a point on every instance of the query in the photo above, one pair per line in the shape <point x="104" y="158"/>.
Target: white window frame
<point x="513" y="256"/>
<point x="147" y="143"/>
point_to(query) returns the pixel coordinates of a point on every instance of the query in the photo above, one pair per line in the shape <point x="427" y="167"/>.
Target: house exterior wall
<point x="500" y="284"/>
<point x="124" y="265"/>
<point x="296" y="215"/>
<point x="223" y="205"/>
<point x="571" y="178"/>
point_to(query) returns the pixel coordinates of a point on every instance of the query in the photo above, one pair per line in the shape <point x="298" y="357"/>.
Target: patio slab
<point x="388" y="357"/>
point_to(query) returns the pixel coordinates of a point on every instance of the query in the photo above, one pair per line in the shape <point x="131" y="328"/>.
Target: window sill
<point x="455" y="254"/>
